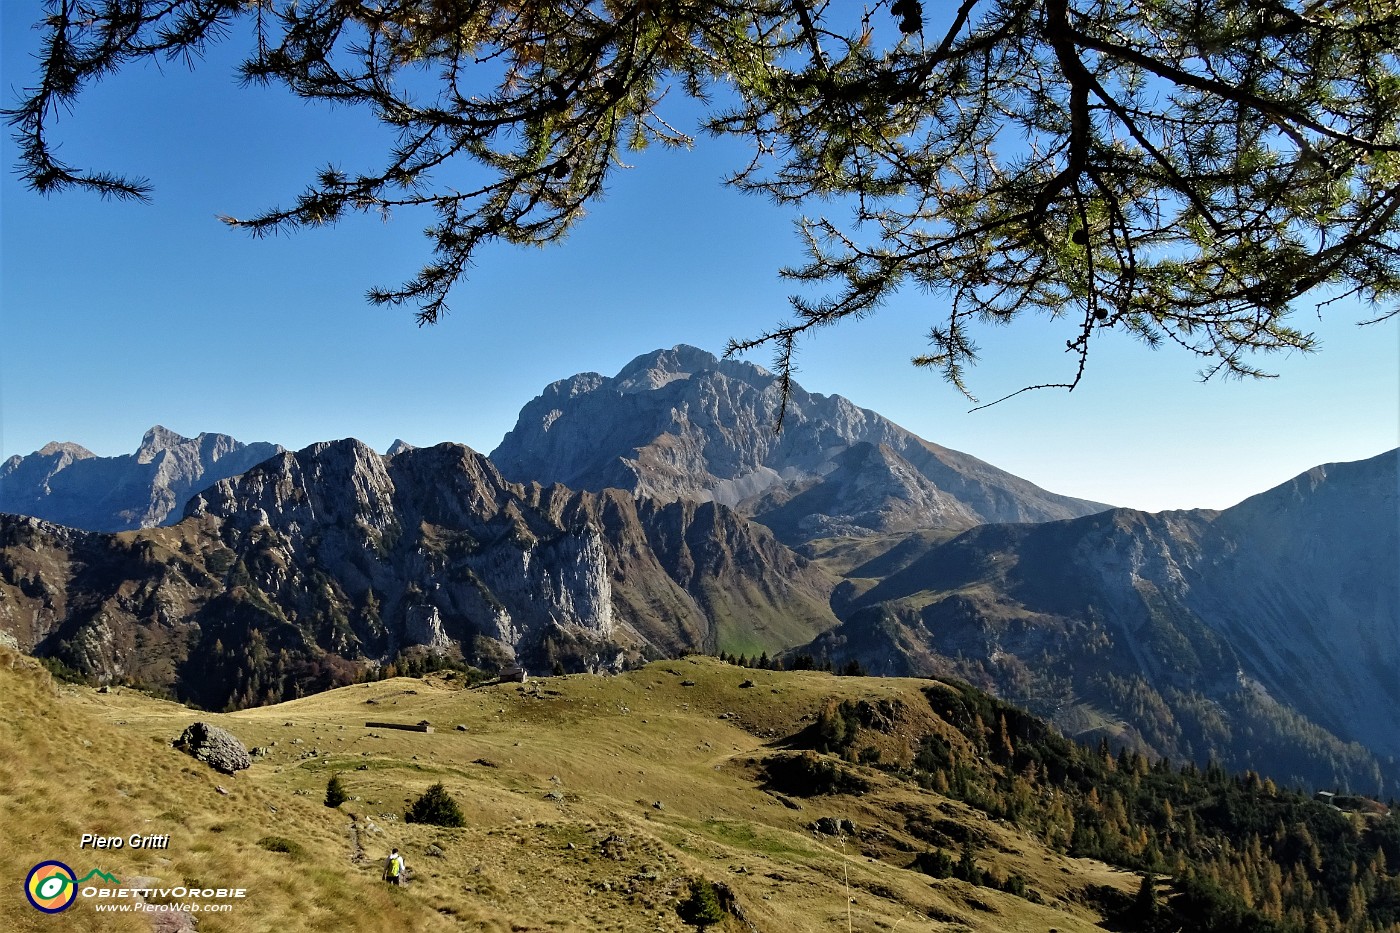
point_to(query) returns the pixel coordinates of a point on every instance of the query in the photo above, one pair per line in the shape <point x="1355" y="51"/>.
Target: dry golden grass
<point x="550" y="775"/>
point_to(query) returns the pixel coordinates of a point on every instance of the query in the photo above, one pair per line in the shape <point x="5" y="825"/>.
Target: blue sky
<point x="117" y="316"/>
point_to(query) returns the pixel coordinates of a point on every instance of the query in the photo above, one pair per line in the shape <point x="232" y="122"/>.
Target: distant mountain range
<point x="69" y="485"/>
<point x="656" y="511"/>
<point x="293" y="575"/>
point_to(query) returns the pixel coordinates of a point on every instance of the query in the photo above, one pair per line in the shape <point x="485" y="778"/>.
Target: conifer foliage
<point x="1177" y="172"/>
<point x="702" y="909"/>
<point x="335" y="791"/>
<point x="435" y="807"/>
<point x="1220" y="853"/>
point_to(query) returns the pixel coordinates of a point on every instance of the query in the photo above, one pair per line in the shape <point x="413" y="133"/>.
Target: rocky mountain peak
<point x="343" y="550"/>
<point x="579" y="384"/>
<point x="658" y="368"/>
<point x="157" y="439"/>
<point x="329" y="481"/>
<point x="75" y="451"/>
<point x="651" y="371"/>
<point x="683" y="424"/>
<point x="1281" y="614"/>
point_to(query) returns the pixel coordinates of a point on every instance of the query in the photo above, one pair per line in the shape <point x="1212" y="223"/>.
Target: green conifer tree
<point x="436" y="807"/>
<point x="702" y="908"/>
<point x="335" y="791"/>
<point x="1146" y="903"/>
<point x="967" y="868"/>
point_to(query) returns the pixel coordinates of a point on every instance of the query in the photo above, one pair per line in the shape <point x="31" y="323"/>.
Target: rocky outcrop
<point x="455" y="551"/>
<point x="69" y="485"/>
<point x="215" y="747"/>
<point x="682" y="424"/>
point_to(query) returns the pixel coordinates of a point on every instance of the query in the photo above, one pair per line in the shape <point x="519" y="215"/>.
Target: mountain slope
<point x="814" y="803"/>
<point x="68" y="485"/>
<point x="300" y="572"/>
<point x="681" y="423"/>
<point x="1265" y="635"/>
<point x="1307" y="586"/>
<point x="559" y="781"/>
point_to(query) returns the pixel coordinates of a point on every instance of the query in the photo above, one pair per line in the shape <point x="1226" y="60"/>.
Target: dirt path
<point x="357" y="848"/>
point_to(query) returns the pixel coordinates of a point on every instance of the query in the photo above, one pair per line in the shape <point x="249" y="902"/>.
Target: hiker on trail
<point x="393" y="868"/>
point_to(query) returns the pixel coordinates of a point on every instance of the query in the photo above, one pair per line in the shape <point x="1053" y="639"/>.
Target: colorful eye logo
<point x="51" y="887"/>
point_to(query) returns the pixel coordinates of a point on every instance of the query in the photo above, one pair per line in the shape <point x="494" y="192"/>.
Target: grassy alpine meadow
<point x="591" y="803"/>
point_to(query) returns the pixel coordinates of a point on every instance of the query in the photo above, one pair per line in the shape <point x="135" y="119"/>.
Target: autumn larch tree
<point x="1184" y="171"/>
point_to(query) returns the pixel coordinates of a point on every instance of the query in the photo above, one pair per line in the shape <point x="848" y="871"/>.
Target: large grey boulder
<point x="215" y="747"/>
